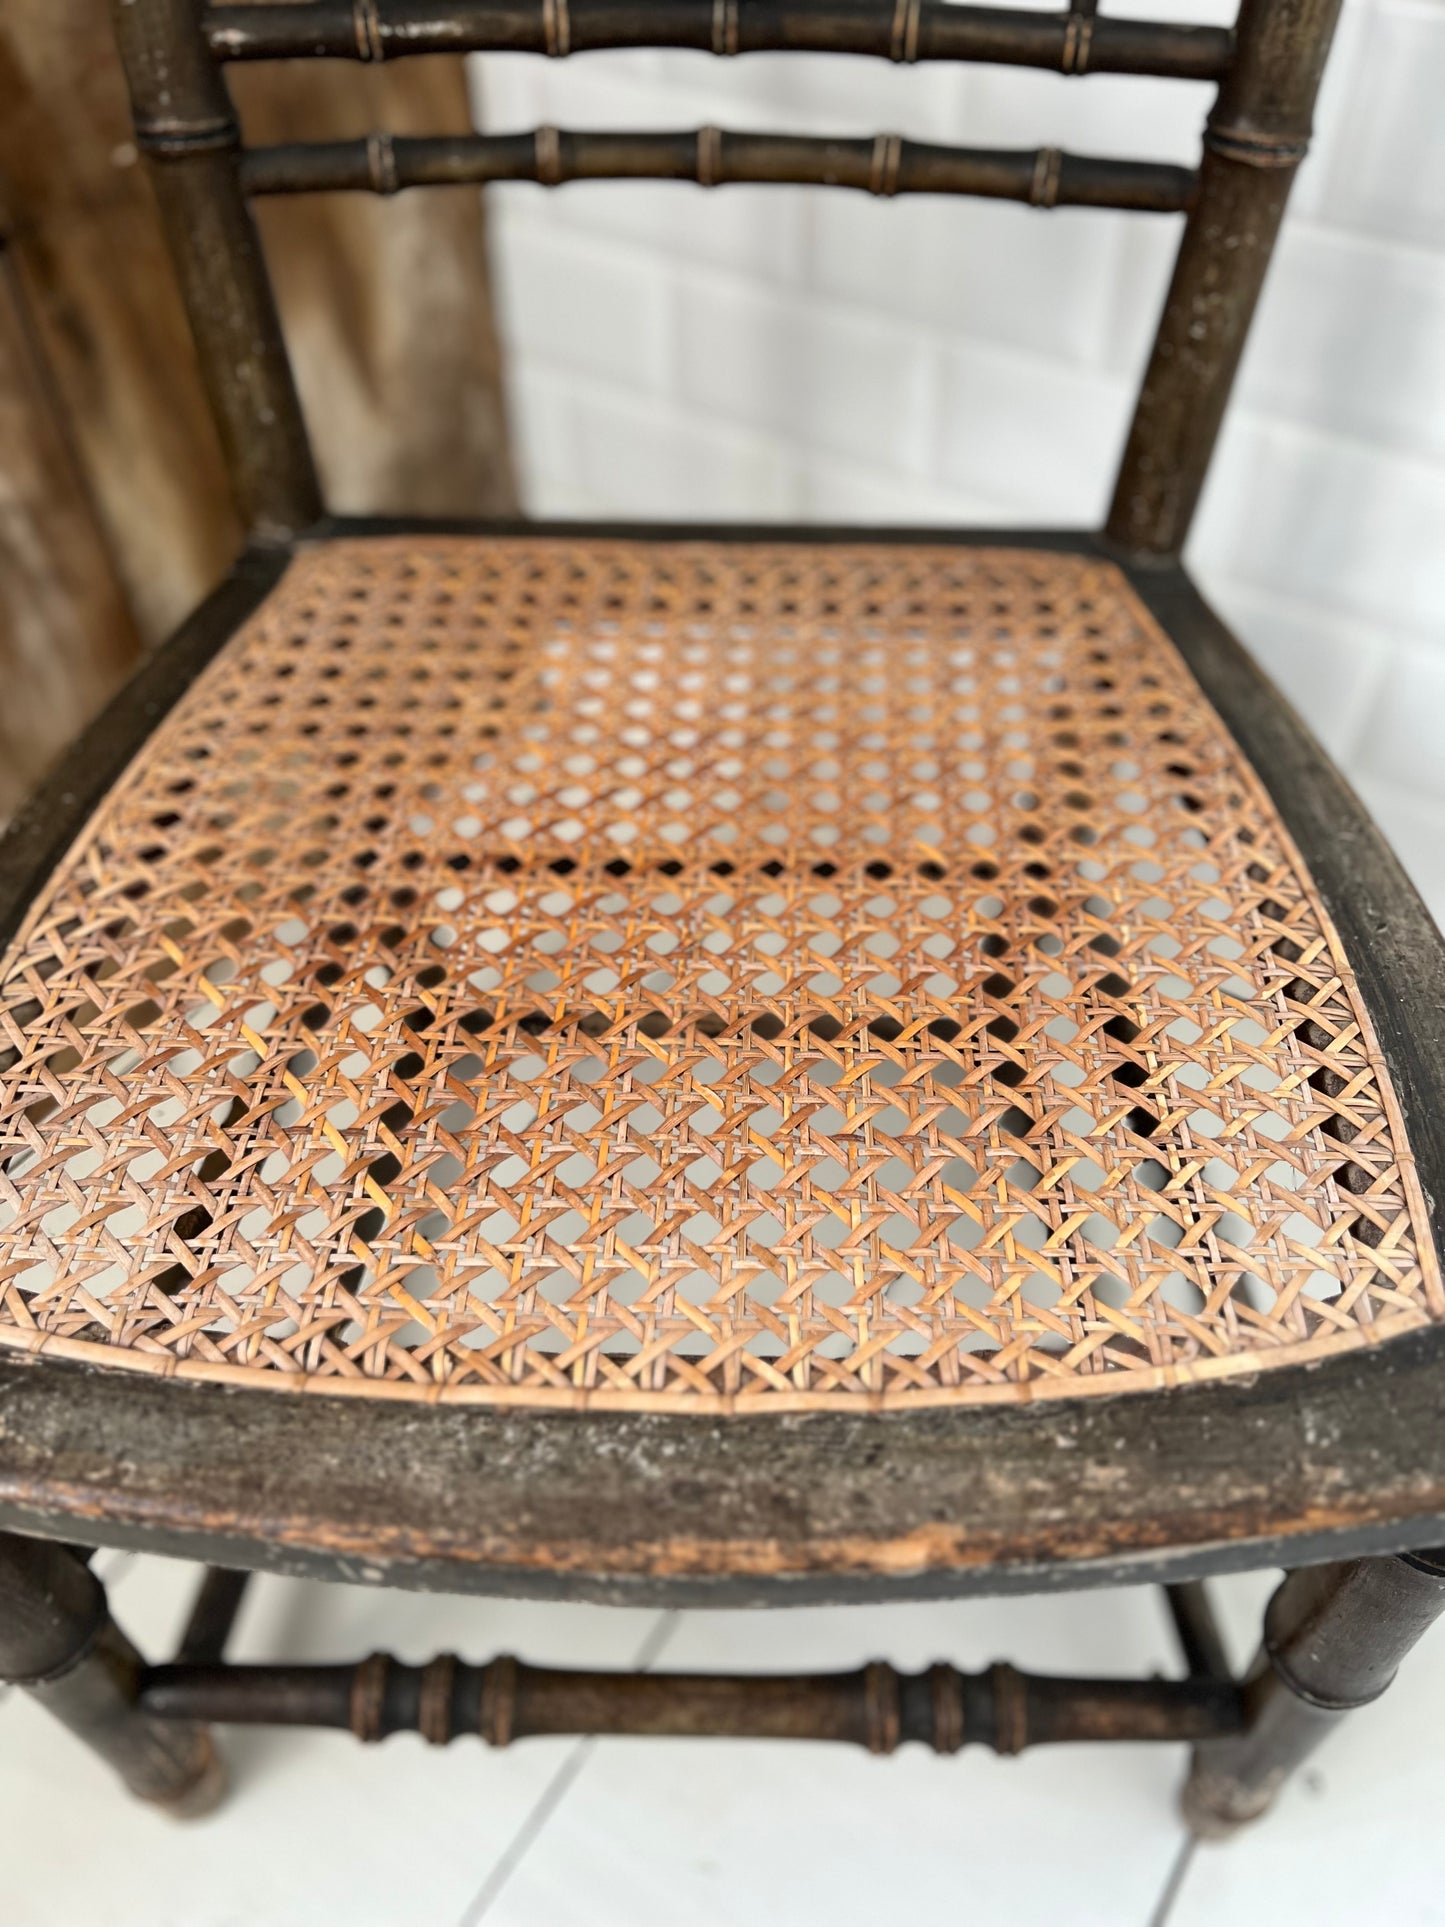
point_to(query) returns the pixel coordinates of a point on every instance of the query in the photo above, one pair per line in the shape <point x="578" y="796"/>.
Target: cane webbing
<point x="695" y="975"/>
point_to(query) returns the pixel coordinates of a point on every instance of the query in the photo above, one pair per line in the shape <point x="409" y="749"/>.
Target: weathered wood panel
<point x="389" y="313"/>
<point x="386" y="304"/>
<point x="66" y="635"/>
<point x="387" y="308"/>
<point x="88" y="251"/>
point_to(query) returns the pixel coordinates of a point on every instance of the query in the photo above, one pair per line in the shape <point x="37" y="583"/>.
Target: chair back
<point x="1266" y="69"/>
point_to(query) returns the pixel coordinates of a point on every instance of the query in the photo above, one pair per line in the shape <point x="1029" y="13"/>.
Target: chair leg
<point x="1333" y="1637"/>
<point x="59" y="1642"/>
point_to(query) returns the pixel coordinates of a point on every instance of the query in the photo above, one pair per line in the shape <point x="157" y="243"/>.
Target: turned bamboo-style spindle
<point x="1255" y="139"/>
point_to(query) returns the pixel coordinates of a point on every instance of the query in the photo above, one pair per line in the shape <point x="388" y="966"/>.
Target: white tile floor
<point x="557" y="1833"/>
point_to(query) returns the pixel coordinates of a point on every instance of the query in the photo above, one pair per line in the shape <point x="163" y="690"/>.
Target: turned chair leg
<point x="59" y="1642"/>
<point x="1333" y="1636"/>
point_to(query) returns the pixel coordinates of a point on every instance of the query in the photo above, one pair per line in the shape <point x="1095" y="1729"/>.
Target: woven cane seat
<point x="698" y="976"/>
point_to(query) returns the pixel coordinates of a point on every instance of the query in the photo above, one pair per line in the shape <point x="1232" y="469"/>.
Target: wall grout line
<point x="1389" y="629"/>
<point x="804" y="300"/>
<point x="1399" y="455"/>
<point x="1352" y="236"/>
<point x="1291" y="602"/>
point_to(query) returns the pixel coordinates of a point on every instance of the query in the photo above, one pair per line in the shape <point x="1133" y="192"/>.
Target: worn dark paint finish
<point x="986" y="34"/>
<point x="1201" y="337"/>
<point x="1300" y="1465"/>
<point x="218" y="1600"/>
<point x="1333" y="1638"/>
<point x="713" y="158"/>
<point x="1256" y="137"/>
<point x="1294" y="1468"/>
<point x="52" y="1608"/>
<point x="186" y="128"/>
<point x="873" y="1707"/>
<point x="1197" y="1630"/>
<point x="334" y="528"/>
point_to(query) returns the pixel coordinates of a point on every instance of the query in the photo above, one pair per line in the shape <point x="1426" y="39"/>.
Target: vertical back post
<point x="186" y="128"/>
<point x="1255" y="138"/>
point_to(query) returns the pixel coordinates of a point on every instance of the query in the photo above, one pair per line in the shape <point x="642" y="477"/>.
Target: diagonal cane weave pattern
<point x="695" y="975"/>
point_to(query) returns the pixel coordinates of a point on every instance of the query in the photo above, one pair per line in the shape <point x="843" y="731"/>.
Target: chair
<point x="724" y="1065"/>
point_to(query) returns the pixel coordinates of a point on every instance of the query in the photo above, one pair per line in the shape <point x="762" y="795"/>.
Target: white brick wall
<point x="771" y="353"/>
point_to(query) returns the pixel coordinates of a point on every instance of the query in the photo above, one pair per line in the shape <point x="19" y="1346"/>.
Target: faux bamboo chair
<point x="703" y="1066"/>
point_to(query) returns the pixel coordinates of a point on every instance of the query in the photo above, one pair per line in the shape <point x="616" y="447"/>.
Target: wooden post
<point x="213" y="1615"/>
<point x="185" y="126"/>
<point x="1197" y="1630"/>
<point x="59" y="1642"/>
<point x="1333" y="1637"/>
<point x="1256" y="136"/>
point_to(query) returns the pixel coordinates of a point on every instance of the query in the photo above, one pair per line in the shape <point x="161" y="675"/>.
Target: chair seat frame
<point x="1299" y="1464"/>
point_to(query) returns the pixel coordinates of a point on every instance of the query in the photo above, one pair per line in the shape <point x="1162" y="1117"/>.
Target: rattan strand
<point x="695" y="976"/>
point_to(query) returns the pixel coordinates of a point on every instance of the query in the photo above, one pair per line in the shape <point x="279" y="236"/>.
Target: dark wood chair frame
<point x="1335" y="1471"/>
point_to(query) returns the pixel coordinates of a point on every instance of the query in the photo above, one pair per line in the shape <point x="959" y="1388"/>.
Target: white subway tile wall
<point x="775" y="353"/>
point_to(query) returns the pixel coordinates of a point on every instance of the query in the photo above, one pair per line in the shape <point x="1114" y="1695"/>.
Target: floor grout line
<point x="520" y="1844"/>
<point x="1174" y="1881"/>
<point x="557" y="1788"/>
<point x="110" y="1565"/>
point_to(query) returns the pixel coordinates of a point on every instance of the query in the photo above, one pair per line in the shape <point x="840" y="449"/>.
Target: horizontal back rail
<point x="901" y="30"/>
<point x="885" y="165"/>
